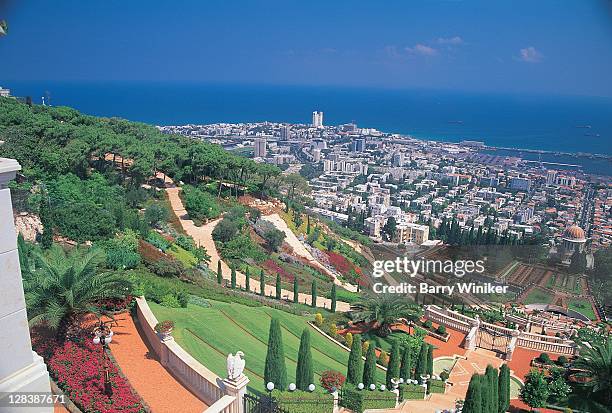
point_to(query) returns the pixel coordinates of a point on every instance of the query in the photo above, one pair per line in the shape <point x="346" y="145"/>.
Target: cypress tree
<point x="406" y="367"/>
<point x="429" y="360"/>
<point x="313" y="294"/>
<point x="262" y="284"/>
<point x="233" y="278"/>
<point x="296" y="290"/>
<point x="485" y="394"/>
<point x="275" y="370"/>
<point x="369" y="368"/>
<point x="421" y="364"/>
<point x="504" y="389"/>
<point x="333" y="298"/>
<point x="304" y="374"/>
<point x="44" y="213"/>
<point x="308" y="224"/>
<point x="491" y="374"/>
<point x="393" y="369"/>
<point x="278" y="287"/>
<point x="219" y="273"/>
<point x="247" y="279"/>
<point x="355" y="368"/>
<point x="472" y="403"/>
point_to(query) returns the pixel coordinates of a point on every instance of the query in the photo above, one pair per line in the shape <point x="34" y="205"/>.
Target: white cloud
<point x="530" y="55"/>
<point x="455" y="40"/>
<point x="421" y="49"/>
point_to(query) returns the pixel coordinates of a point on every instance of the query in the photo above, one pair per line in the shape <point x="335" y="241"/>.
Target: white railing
<point x="192" y="374"/>
<point x="223" y="405"/>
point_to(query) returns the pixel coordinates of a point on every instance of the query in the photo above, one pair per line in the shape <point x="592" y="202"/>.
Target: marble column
<point x="21" y="369"/>
<point x="236" y="388"/>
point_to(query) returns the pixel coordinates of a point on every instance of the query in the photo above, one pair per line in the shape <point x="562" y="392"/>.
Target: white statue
<point x="235" y="365"/>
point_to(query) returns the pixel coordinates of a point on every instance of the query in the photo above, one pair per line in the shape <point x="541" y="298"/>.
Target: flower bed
<point x="274" y="268"/>
<point x="77" y="367"/>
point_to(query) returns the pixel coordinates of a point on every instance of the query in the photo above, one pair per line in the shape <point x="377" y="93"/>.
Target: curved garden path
<point x="203" y="237"/>
<point x="158" y="388"/>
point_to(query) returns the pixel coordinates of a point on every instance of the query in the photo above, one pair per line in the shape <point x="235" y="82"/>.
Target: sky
<point x="515" y="46"/>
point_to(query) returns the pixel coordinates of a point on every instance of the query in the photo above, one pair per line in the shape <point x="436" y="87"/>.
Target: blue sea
<point x="554" y="123"/>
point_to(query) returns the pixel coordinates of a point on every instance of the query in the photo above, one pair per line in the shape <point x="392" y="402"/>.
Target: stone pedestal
<point x="21" y="369"/>
<point x="237" y="389"/>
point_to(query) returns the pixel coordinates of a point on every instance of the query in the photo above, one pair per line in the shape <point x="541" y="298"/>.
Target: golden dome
<point x="574" y="232"/>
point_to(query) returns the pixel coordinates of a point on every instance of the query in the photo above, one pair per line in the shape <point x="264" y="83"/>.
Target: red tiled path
<point x="158" y="388"/>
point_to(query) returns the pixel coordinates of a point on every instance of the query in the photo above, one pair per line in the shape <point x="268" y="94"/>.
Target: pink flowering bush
<point x="78" y="368"/>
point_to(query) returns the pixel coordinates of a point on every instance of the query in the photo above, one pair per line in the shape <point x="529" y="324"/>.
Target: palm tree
<point x="60" y="288"/>
<point x="384" y="310"/>
<point x="595" y="365"/>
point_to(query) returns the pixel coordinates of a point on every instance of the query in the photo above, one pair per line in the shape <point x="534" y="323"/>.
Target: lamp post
<point x="104" y="335"/>
<point x="270" y="387"/>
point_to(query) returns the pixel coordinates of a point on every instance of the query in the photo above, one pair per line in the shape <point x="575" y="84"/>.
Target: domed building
<point x="573" y="239"/>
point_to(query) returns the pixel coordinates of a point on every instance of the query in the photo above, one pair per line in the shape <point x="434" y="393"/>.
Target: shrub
<point x="120" y="259"/>
<point x="183" y="298"/>
<point x="158" y="241"/>
<point x="360" y="400"/>
<point x="562" y="361"/>
<point x="544" y="358"/>
<point x="441" y="330"/>
<point x="156" y="214"/>
<point x="332" y="380"/>
<point x="411" y="392"/>
<point x="171" y="301"/>
<point x="383" y="358"/>
<point x="427" y="324"/>
<point x="333" y="330"/>
<point x="167" y="267"/>
<point x="164" y="326"/>
<point x="444" y="375"/>
<point x="304" y="401"/>
<point x="318" y="320"/>
<point x="349" y="339"/>
<point x="200" y="205"/>
<point x="364" y="346"/>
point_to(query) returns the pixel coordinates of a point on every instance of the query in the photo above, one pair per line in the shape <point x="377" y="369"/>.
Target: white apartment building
<point x="317" y="119"/>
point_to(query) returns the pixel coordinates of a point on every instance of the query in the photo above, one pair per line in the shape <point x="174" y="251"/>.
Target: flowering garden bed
<point x="77" y="367"/>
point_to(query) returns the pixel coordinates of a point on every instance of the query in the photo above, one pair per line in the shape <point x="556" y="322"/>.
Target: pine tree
<point x="504" y="388"/>
<point x="473" y="403"/>
<point x="491" y="374"/>
<point x="304" y="374"/>
<point x="296" y="290"/>
<point x="429" y="360"/>
<point x="247" y="279"/>
<point x="313" y="294"/>
<point x="275" y="370"/>
<point x="233" y="278"/>
<point x="406" y="367"/>
<point x="369" y="368"/>
<point x="262" y="284"/>
<point x="355" y="368"/>
<point x="44" y="213"/>
<point x="219" y="273"/>
<point x="278" y="286"/>
<point x="393" y="369"/>
<point x="333" y="298"/>
<point x="421" y="364"/>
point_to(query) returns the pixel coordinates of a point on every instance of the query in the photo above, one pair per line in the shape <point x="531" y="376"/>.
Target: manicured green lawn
<point x="538" y="297"/>
<point x="184" y="256"/>
<point x="583" y="306"/>
<point x="210" y="334"/>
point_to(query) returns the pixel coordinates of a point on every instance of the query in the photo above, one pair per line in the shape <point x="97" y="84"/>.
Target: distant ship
<point x="596" y="135"/>
<point x="584" y="126"/>
<point x="458" y="122"/>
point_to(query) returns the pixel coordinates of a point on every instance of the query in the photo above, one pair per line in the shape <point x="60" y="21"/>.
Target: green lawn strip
<point x="184" y="256"/>
<point x="321" y="360"/>
<point x="208" y="323"/>
<point x="582" y="306"/>
<point x="538" y="297"/>
<point x="253" y="324"/>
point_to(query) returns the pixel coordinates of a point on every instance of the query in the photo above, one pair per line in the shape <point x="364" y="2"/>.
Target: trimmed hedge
<point x="360" y="400"/>
<point x="435" y="386"/>
<point x="411" y="392"/>
<point x="304" y="401"/>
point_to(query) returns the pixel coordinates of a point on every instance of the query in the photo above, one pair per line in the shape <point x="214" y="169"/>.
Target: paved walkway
<point x="158" y="388"/>
<point x="203" y="237"/>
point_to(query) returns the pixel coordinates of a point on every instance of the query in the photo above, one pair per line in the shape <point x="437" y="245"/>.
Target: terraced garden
<point x="210" y="334"/>
<point x="565" y="282"/>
